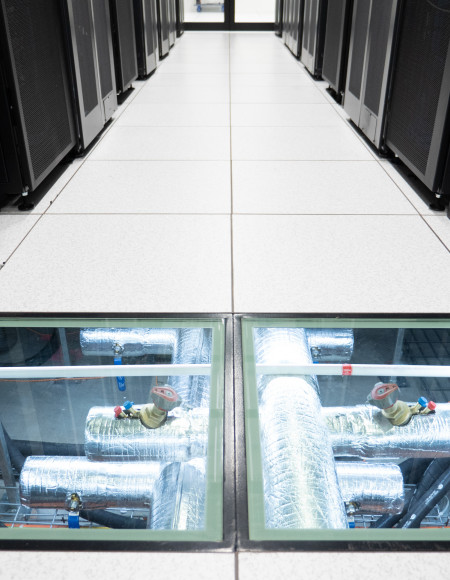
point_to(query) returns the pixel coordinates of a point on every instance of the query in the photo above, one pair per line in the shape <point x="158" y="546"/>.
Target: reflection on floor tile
<point x="165" y="143"/>
<point x="184" y="94"/>
<point x="147" y="187"/>
<point x="116" y="263"/>
<point x="268" y="80"/>
<point x="319" y="187"/>
<point x="288" y="143"/>
<point x="13" y="229"/>
<point x="338" y="264"/>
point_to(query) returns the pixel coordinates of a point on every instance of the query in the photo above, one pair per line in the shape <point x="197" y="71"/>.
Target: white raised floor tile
<point x="179" y="115"/>
<point x="123" y="187"/>
<point x="283" y="115"/>
<point x="339" y="264"/>
<point x="13" y="229"/>
<point x="316" y="187"/>
<point x="117" y="263"/>
<point x="277" y="95"/>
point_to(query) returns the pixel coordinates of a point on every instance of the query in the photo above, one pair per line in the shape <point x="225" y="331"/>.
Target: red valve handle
<point x="380" y="392"/>
<point x="117" y="411"/>
<point x="166" y="393"/>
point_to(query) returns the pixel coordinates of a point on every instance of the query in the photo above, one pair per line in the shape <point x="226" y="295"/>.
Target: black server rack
<point x="124" y="42"/>
<point x="314" y="25"/>
<point x="95" y="99"/>
<point x="172" y="22"/>
<point x="337" y="37"/>
<point x="146" y="24"/>
<point x="418" y="123"/>
<point x="36" y="120"/>
<point x="180" y="17"/>
<point x="371" y="41"/>
<point x="294" y="30"/>
<point x="163" y="27"/>
<point x="279" y="17"/>
<point x="105" y="56"/>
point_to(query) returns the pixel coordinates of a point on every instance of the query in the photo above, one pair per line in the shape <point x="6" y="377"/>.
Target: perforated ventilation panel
<point x="102" y="22"/>
<point x="378" y="43"/>
<point x="83" y="34"/>
<point x="419" y="71"/>
<point x="34" y="31"/>
<point x="359" y="32"/>
<point x="125" y="22"/>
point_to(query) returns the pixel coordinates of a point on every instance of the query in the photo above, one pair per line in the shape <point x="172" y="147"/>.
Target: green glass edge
<point x="213" y="531"/>
<point x="255" y="487"/>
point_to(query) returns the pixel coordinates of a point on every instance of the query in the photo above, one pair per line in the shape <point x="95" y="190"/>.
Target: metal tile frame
<point x="315" y="540"/>
<point x="228" y="542"/>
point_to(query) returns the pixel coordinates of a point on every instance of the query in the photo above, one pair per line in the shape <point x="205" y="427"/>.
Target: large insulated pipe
<point x="330" y="345"/>
<point x="371" y="488"/>
<point x="301" y="488"/>
<point x="194" y="346"/>
<point x="363" y="431"/>
<point x="133" y="341"/>
<point x="179" y="497"/>
<point x="300" y="483"/>
<point x="48" y="482"/>
<point x="182" y="437"/>
<point x="276" y="346"/>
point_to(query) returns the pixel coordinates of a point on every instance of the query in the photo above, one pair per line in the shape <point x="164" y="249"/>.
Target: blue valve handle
<point x="73" y="520"/>
<point x="120" y="380"/>
<point x="423" y="402"/>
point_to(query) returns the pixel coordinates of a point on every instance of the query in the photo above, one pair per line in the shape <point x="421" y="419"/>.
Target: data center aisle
<point x="228" y="182"/>
<point x="175" y="210"/>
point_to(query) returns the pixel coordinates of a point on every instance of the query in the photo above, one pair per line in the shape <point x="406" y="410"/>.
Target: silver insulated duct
<point x="371" y="488"/>
<point x="194" y="346"/>
<point x="179" y="497"/>
<point x="133" y="341"/>
<point x="330" y="345"/>
<point x="363" y="431"/>
<point x="274" y="346"/>
<point x="48" y="482"/>
<point x="182" y="437"/>
<point x="300" y="483"/>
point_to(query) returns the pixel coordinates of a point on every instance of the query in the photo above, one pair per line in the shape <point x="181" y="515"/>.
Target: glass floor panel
<point x="347" y="428"/>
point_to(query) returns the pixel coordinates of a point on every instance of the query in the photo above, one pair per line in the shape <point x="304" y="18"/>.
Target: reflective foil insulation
<point x="194" y="346"/>
<point x="275" y="346"/>
<point x="371" y="488"/>
<point x="134" y="341"/>
<point x="48" y="482"/>
<point x="301" y="489"/>
<point x="182" y="437"/>
<point x="363" y="431"/>
<point x="330" y="345"/>
<point x="179" y="497"/>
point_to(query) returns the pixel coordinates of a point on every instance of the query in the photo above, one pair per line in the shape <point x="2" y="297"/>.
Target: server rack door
<point x="286" y="21"/>
<point x="336" y="44"/>
<point x="418" y="120"/>
<point x="172" y="23"/>
<point x="356" y="58"/>
<point x="124" y="40"/>
<point x="375" y="83"/>
<point x="10" y="177"/>
<point x="36" y="76"/>
<point x="146" y="43"/>
<point x="314" y="24"/>
<point x="163" y="27"/>
<point x="180" y="17"/>
<point x="89" y="102"/>
<point x="105" y="56"/>
<point x="279" y="17"/>
<point x="369" y="65"/>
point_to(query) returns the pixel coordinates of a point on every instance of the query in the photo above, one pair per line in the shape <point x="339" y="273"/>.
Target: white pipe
<point x="103" y="371"/>
<point x="360" y="370"/>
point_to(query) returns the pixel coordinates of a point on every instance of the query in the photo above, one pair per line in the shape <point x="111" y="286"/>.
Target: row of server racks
<point x="388" y="62"/>
<point x="63" y="64"/>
